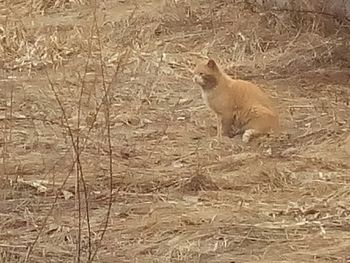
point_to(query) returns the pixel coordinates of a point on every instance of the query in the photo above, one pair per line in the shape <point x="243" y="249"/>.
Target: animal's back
<point x="249" y="94"/>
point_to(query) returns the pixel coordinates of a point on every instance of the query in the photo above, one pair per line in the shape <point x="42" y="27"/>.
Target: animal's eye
<point x="201" y="74"/>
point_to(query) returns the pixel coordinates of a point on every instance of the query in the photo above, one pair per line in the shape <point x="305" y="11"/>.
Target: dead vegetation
<point x="100" y="121"/>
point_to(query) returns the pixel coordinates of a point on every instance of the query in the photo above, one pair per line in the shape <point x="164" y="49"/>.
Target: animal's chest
<point x="219" y="103"/>
<point x="205" y="97"/>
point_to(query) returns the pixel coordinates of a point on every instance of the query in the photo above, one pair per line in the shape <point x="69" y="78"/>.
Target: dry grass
<point x="105" y="93"/>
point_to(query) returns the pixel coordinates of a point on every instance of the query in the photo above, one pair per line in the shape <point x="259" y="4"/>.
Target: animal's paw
<point x="245" y="139"/>
<point x="247" y="135"/>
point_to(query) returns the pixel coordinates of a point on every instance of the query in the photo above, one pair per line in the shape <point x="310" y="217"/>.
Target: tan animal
<point x="237" y="103"/>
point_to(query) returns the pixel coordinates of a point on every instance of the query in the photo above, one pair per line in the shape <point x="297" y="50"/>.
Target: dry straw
<point x="104" y="92"/>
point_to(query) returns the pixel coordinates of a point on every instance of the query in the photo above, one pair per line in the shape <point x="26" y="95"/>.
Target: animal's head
<point x="206" y="74"/>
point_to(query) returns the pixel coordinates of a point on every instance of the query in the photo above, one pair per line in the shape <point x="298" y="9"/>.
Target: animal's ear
<point x="212" y="64"/>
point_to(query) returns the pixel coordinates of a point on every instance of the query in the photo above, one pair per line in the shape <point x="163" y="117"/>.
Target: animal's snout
<point x="198" y="79"/>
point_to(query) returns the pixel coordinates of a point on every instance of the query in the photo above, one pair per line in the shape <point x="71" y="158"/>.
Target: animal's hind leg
<point x="237" y="131"/>
<point x="262" y="121"/>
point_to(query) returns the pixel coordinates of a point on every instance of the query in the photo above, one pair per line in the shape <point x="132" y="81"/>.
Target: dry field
<point x="104" y="93"/>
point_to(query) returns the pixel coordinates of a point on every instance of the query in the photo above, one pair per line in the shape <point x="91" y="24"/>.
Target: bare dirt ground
<point x="178" y="194"/>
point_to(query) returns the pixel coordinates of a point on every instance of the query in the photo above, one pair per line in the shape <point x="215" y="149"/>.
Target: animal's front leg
<point x="226" y="124"/>
<point x="218" y="127"/>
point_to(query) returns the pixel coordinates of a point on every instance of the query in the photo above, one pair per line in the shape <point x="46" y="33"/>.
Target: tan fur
<point x="236" y="103"/>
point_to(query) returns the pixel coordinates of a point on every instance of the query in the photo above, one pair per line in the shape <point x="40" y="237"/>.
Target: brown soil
<point x="179" y="195"/>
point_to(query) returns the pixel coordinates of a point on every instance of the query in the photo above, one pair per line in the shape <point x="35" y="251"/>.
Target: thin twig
<point x="80" y="174"/>
<point x="108" y="124"/>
